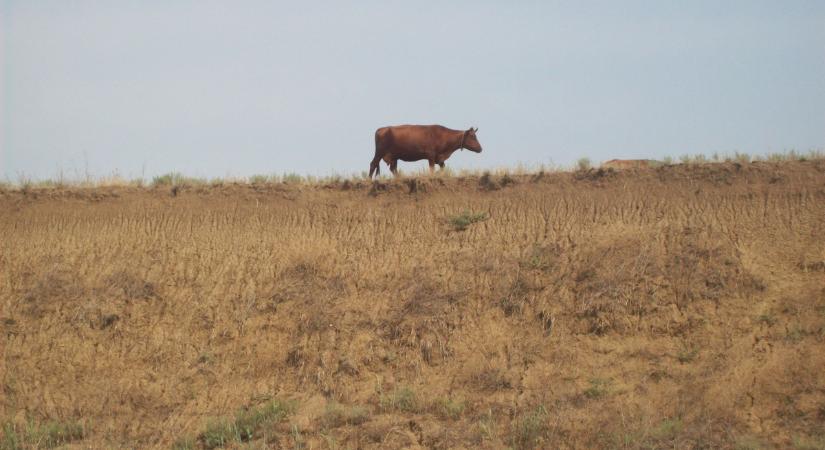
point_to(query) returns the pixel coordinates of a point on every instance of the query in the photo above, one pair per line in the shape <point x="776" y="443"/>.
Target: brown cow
<point x="416" y="142"/>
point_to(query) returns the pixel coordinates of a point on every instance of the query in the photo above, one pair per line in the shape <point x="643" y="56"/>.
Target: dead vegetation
<point x="668" y="307"/>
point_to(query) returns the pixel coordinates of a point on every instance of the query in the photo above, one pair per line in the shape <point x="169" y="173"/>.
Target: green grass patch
<point x="529" y="430"/>
<point x="748" y="442"/>
<point x="449" y="408"/>
<point x="809" y="442"/>
<point x="247" y="425"/>
<point x="259" y="179"/>
<point x="668" y="428"/>
<point x="687" y="354"/>
<point x="176" y="179"/>
<point x="402" y="399"/>
<point x="599" y="387"/>
<point x="337" y="415"/>
<point x="40" y="435"/>
<point x="767" y="319"/>
<point x="466" y="218"/>
<point x="795" y="333"/>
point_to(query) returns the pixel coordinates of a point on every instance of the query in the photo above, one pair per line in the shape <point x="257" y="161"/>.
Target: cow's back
<point x="409" y="136"/>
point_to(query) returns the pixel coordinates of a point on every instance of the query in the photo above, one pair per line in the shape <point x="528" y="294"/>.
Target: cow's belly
<point x="416" y="155"/>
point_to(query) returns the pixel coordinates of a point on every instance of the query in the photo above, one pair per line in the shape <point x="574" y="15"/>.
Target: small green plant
<point x="54" y="434"/>
<point x="337" y="415"/>
<point x="668" y="160"/>
<point x="258" y="179"/>
<point x="297" y="438"/>
<point x="742" y="158"/>
<point x="246" y="425"/>
<point x="528" y="430"/>
<point x="332" y="443"/>
<point x="218" y="433"/>
<point x="795" y="333"/>
<point x="449" y="408"/>
<point x="687" y="354"/>
<point x="402" y="399"/>
<point x="176" y="179"/>
<point x="599" y="387"/>
<point x="584" y="164"/>
<point x="292" y="178"/>
<point x="169" y="179"/>
<point x="542" y="258"/>
<point x="11" y="441"/>
<point x="768" y="319"/>
<point x="487" y="426"/>
<point x="668" y="428"/>
<point x="465" y="219"/>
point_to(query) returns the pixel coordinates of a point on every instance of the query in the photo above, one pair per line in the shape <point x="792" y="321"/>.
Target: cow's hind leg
<point x="394" y="167"/>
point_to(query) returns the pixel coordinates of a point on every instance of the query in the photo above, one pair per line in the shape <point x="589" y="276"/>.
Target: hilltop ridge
<point x="681" y="306"/>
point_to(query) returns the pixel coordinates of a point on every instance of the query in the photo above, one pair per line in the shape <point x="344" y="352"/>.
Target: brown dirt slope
<point x="676" y="307"/>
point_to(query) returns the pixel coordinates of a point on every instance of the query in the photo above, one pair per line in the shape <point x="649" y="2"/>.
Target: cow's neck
<point x="459" y="145"/>
<point x="453" y="143"/>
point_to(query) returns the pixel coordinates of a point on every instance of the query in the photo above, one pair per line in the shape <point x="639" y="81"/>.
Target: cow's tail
<point x="375" y="166"/>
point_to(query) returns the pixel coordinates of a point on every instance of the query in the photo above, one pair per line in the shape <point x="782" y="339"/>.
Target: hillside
<point x="675" y="307"/>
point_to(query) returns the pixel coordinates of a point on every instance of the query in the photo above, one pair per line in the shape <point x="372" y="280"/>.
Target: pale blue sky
<point x="238" y="88"/>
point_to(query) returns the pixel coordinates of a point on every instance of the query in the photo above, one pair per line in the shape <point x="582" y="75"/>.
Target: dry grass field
<point x="671" y="308"/>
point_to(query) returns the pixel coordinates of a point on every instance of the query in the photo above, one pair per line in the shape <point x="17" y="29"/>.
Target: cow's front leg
<point x="394" y="167"/>
<point x="441" y="164"/>
<point x="432" y="166"/>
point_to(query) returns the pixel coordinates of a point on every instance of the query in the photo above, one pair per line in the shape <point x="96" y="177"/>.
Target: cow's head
<point x="471" y="141"/>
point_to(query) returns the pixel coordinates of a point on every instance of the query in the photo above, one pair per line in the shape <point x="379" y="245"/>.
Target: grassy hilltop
<point x="675" y="307"/>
